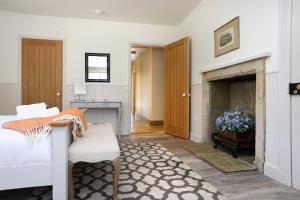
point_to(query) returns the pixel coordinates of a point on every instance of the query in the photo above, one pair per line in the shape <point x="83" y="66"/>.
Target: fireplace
<point x="241" y="85"/>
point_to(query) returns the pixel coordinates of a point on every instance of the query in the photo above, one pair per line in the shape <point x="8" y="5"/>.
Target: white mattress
<point x="17" y="149"/>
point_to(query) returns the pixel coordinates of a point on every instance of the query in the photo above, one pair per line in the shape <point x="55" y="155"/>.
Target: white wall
<point x="143" y="84"/>
<point x="157" y="84"/>
<point x="79" y="36"/>
<point x="258" y="30"/>
<point x="259" y="33"/>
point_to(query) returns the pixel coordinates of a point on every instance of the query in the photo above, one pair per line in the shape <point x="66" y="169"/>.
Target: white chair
<point x="99" y="144"/>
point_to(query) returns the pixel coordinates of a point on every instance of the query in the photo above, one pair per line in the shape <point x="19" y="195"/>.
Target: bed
<point x="24" y="163"/>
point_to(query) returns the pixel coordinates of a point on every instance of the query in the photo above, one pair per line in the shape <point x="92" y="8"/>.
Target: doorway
<point x="147" y="89"/>
<point x="42" y="71"/>
<point x="166" y="74"/>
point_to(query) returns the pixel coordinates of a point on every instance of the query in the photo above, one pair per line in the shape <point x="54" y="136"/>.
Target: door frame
<point x="283" y="171"/>
<point x="288" y="4"/>
<point x="148" y="44"/>
<point x="64" y="85"/>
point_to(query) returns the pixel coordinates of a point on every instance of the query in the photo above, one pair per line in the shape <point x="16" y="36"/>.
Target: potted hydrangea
<point x="236" y="124"/>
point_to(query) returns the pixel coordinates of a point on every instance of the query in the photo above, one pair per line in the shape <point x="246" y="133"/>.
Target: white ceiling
<point x="161" y="12"/>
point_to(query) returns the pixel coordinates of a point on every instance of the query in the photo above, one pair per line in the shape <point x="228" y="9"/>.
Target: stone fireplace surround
<point x="254" y="67"/>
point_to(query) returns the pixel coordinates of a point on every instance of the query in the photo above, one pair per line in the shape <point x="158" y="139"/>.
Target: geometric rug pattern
<point x="148" y="171"/>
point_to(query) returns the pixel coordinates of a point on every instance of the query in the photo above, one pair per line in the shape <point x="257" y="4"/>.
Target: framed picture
<point x="97" y="67"/>
<point x="227" y="37"/>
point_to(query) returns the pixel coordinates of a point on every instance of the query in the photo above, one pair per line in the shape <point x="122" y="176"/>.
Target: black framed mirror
<point x="97" y="67"/>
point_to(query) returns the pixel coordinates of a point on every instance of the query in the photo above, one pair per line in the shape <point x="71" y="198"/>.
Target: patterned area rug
<point x="148" y="171"/>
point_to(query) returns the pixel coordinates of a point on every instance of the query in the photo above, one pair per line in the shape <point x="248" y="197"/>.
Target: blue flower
<point x="235" y="121"/>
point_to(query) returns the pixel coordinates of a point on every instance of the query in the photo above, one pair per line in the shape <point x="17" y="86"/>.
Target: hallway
<point x="139" y="126"/>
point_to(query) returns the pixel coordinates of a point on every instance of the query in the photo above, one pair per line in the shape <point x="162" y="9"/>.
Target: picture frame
<point x="97" y="67"/>
<point x="227" y="37"/>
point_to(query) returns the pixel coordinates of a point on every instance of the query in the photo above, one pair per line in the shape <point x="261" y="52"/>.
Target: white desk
<point x="102" y="105"/>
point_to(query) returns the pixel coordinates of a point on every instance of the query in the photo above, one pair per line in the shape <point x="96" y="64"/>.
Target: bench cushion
<point x="99" y="144"/>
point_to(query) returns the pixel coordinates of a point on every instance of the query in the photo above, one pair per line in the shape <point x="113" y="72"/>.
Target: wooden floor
<point x="235" y="186"/>
<point x="141" y="127"/>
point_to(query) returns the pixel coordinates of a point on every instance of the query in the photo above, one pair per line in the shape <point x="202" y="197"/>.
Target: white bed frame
<point x="54" y="173"/>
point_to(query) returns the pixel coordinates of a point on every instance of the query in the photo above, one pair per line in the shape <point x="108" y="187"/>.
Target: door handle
<point x="58" y="94"/>
<point x="294" y="89"/>
<point x="184" y="94"/>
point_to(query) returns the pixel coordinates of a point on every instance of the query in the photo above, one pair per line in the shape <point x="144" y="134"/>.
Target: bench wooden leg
<point x="70" y="181"/>
<point x="116" y="163"/>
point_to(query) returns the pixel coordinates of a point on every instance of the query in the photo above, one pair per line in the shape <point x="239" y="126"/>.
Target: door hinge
<point x="294" y="89"/>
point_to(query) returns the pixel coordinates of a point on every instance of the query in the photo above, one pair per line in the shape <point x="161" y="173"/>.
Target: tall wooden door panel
<point x="176" y="120"/>
<point x="42" y="72"/>
<point x="295" y="76"/>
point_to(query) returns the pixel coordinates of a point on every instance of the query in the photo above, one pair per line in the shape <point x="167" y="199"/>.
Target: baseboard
<point x="273" y="172"/>
<point x="125" y="133"/>
<point x="195" y="137"/>
<point x="259" y="165"/>
<point x="156" y="123"/>
<point x="142" y="118"/>
<point x="151" y="122"/>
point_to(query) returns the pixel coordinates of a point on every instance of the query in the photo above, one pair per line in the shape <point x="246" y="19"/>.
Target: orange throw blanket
<point x="41" y="125"/>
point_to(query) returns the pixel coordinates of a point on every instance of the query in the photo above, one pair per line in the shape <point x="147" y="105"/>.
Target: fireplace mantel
<point x="236" y="62"/>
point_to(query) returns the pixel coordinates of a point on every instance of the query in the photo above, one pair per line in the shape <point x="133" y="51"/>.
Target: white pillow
<point x="51" y="112"/>
<point x="41" y="113"/>
<point x="25" y="109"/>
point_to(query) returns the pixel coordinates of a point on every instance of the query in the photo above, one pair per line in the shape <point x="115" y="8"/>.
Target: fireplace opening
<point x="232" y="93"/>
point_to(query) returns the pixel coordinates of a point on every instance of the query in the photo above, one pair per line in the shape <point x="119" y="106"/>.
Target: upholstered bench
<point x="99" y="144"/>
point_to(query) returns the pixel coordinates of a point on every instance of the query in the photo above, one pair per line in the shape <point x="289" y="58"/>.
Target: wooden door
<point x="295" y="100"/>
<point x="42" y="72"/>
<point x="133" y="88"/>
<point x="177" y="89"/>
